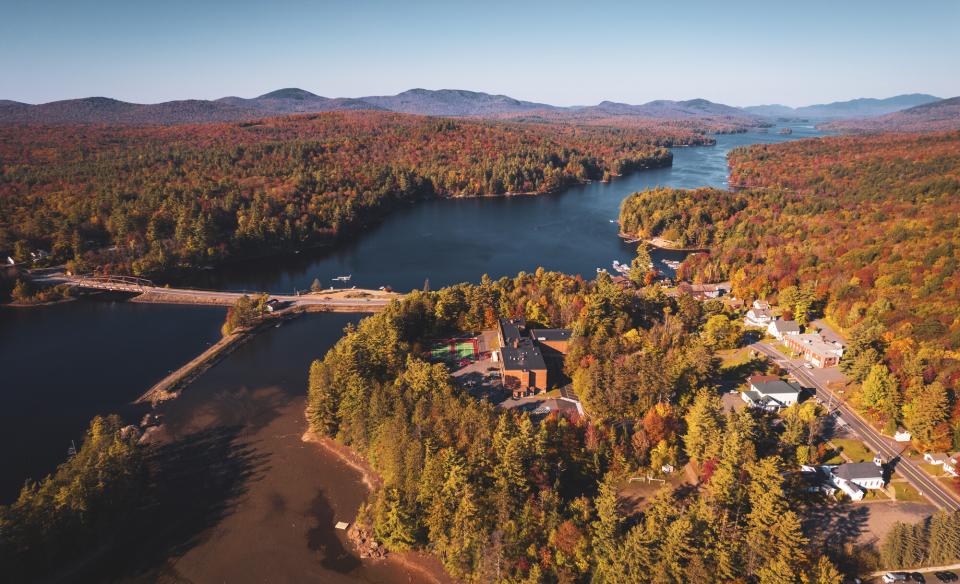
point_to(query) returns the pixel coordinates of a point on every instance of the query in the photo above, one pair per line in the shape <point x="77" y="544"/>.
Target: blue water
<point x="62" y="364"/>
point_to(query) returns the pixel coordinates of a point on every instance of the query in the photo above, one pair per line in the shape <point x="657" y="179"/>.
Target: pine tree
<point x="944" y="538"/>
<point x="826" y="572"/>
<point x="321" y="400"/>
<point x="395" y="526"/>
<point x="676" y="550"/>
<point x="892" y="548"/>
<point x="702" y="440"/>
<point x="767" y="508"/>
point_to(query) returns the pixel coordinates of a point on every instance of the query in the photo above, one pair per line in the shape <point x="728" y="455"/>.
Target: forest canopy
<point x="869" y="228"/>
<point x="500" y="496"/>
<point x="148" y="199"/>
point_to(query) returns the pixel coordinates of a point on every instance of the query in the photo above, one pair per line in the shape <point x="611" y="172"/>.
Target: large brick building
<point x="522" y="363"/>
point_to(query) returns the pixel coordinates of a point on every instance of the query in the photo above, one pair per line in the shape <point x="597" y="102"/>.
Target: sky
<point x="563" y="53"/>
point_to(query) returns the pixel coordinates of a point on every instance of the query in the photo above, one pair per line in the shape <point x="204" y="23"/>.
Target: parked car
<point x="917" y="577"/>
<point x="891" y="577"/>
<point x="946" y="576"/>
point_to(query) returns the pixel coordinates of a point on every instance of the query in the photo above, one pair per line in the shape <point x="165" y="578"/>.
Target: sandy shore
<point x="426" y="564"/>
<point x="241" y="496"/>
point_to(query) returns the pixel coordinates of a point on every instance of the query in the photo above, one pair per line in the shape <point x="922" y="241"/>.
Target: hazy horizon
<point x="747" y="53"/>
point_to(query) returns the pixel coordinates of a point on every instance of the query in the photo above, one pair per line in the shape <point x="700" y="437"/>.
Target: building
<point x="815" y="349"/>
<point x="556" y="339"/>
<point x="901" y="435"/>
<point x="704" y="291"/>
<point x="855" y="478"/>
<point x="770" y="393"/>
<point x="951" y="465"/>
<point x="523" y="366"/>
<point x="781" y="328"/>
<point x="758" y="317"/>
<point x="761" y="304"/>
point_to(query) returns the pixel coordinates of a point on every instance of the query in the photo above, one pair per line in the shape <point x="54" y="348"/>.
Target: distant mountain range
<point x="443" y="102"/>
<point x="940" y="115"/>
<point x="854" y="108"/>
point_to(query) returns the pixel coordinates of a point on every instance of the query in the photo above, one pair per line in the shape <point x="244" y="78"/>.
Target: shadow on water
<point x="196" y="482"/>
<point x="320" y="539"/>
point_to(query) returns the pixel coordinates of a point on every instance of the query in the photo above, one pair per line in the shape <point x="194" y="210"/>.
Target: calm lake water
<point x="62" y="364"/>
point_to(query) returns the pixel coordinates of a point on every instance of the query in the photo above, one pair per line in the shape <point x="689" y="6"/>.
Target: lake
<point x="62" y="364"/>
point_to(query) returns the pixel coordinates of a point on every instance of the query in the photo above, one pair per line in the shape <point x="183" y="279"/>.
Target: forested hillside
<point x="937" y="116"/>
<point x="500" y="497"/>
<point x="192" y="195"/>
<point x="867" y="230"/>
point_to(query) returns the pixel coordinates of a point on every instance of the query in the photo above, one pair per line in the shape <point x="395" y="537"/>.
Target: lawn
<point x="934" y="470"/>
<point x="855" y="450"/>
<point x="733" y="357"/>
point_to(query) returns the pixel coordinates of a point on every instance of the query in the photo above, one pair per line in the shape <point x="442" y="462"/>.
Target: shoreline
<point x="180" y="274"/>
<point x="660" y="243"/>
<point x="20" y="305"/>
<point x="414" y="560"/>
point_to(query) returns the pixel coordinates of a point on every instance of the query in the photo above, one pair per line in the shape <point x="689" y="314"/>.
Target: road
<point x="366" y="300"/>
<point x="886" y="447"/>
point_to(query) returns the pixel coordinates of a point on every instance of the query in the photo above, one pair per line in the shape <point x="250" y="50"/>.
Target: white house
<point x="770" y="393"/>
<point x="950" y="465"/>
<point x="902" y="435"/>
<point x="781" y="328"/>
<point x="758" y="317"/>
<point x="853" y="476"/>
<point x="761" y="305"/>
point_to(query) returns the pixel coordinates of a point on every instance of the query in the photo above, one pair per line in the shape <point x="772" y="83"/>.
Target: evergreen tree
<point x="703" y="438"/>
<point x="826" y="573"/>
<point x="394" y="525"/>
<point x="322" y="400"/>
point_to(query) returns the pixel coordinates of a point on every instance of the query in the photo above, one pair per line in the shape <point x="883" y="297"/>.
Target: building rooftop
<point x="817" y="345"/>
<point x="551" y="334"/>
<point x="786" y="326"/>
<point x="773" y="386"/>
<point x="858" y="470"/>
<point x="525" y="356"/>
<point x="511" y="328"/>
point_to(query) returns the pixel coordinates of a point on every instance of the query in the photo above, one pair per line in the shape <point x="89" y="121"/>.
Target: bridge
<point x="350" y="300"/>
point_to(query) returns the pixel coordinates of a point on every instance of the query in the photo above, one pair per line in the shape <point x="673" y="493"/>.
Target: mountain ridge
<point x="419" y="101"/>
<point x="852" y="108"/>
<point x="936" y="116"/>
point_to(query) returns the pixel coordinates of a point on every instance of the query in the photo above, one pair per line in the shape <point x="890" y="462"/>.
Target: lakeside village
<point x="519" y="366"/>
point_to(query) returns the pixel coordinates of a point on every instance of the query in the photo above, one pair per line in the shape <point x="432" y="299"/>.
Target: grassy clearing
<point x="934" y="470"/>
<point x="733" y="357"/>
<point x="905" y="492"/>
<point x="855" y="450"/>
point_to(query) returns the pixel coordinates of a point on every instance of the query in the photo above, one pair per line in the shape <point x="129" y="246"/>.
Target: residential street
<point x="889" y="449"/>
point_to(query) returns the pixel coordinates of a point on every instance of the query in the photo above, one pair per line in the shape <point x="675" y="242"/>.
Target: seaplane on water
<point x="343" y="278"/>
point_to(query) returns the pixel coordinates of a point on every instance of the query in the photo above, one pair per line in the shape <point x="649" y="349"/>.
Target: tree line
<point x="144" y="200"/>
<point x="502" y="497"/>
<point x="862" y="230"/>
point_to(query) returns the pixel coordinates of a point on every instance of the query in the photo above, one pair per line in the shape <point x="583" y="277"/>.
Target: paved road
<point x="889" y="449"/>
<point x="185" y="295"/>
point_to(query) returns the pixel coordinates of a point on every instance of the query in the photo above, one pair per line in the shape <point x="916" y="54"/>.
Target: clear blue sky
<point x="735" y="52"/>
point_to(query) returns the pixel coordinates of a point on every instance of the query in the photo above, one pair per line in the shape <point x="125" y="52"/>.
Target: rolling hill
<point x="930" y="117"/>
<point x="444" y="102"/>
<point x="854" y="108"/>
